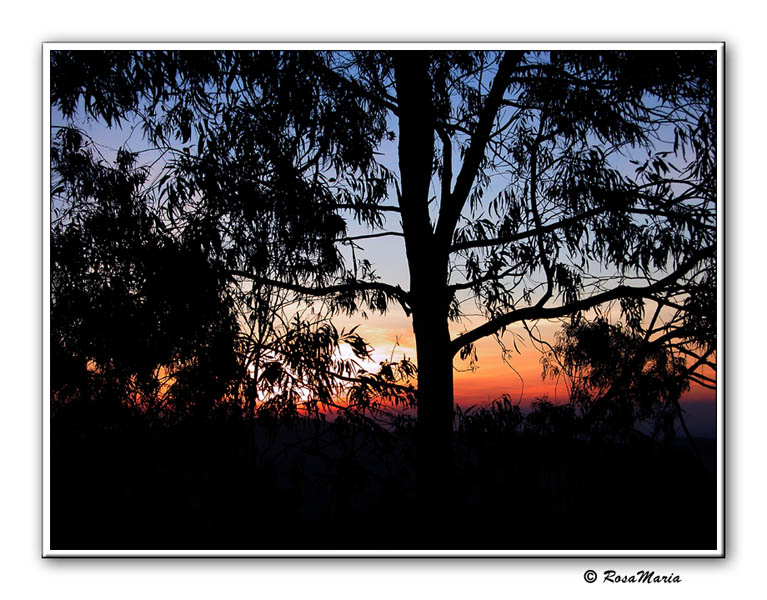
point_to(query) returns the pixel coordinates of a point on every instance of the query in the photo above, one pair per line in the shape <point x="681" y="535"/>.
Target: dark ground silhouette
<point x="121" y="482"/>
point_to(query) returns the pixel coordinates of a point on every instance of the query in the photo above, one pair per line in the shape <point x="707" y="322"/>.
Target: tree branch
<point x="451" y="211"/>
<point x="702" y="381"/>
<point x="558" y="225"/>
<point x="489" y="277"/>
<point x="366" y="207"/>
<point x="371" y="235"/>
<point x="547" y="269"/>
<point x="526" y="234"/>
<point x="361" y="90"/>
<point x="534" y="313"/>
<point x="356" y="286"/>
<point x="447" y="163"/>
<point x="372" y="381"/>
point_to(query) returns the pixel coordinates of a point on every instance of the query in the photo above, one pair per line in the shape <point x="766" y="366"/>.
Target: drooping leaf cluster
<point x="616" y="378"/>
<point x="261" y="147"/>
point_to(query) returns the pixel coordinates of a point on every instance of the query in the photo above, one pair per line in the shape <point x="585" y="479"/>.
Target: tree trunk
<point x="429" y="300"/>
<point x="435" y="374"/>
<point x="435" y="407"/>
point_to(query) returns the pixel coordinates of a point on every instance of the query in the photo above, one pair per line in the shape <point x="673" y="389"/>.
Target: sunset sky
<point x="391" y="335"/>
<point x="520" y="378"/>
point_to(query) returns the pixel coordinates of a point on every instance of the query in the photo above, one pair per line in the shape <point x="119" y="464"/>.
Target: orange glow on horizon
<point x="392" y="338"/>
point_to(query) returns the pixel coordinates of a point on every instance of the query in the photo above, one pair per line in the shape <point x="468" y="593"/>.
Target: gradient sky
<point x="520" y="378"/>
<point x="391" y="335"/>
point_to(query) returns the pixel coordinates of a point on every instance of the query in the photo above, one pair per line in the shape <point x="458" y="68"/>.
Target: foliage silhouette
<point x="133" y="309"/>
<point x="531" y="185"/>
<point x="616" y="378"/>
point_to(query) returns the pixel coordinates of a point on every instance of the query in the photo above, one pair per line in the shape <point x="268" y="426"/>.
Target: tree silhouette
<point x="530" y="186"/>
<point x="617" y="378"/>
<point x="133" y="309"/>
